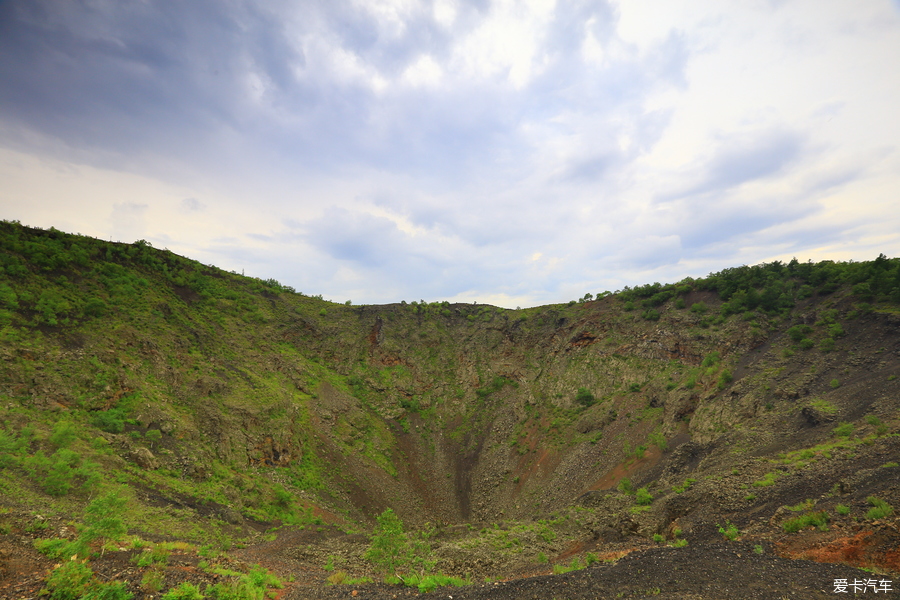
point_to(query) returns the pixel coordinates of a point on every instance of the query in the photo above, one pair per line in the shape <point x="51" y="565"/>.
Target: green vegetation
<point x="729" y="531"/>
<point x="405" y="558"/>
<point x="584" y="397"/>
<point x="678" y="489"/>
<point x="814" y="519"/>
<point x="844" y="430"/>
<point x="880" y="509"/>
<point x="767" y="480"/>
<point x="643" y="497"/>
<point x="223" y="399"/>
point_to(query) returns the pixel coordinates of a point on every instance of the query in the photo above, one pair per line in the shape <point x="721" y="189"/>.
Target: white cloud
<point x="520" y="151"/>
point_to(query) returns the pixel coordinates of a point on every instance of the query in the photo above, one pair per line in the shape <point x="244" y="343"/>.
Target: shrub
<point x="806" y="343"/>
<point x="842" y="509"/>
<point x="70" y="581"/>
<point x="798" y="332"/>
<point x="625" y="486"/>
<point x="643" y="497"/>
<point x="659" y="539"/>
<point x="711" y="360"/>
<point x="153" y="436"/>
<point x="826" y="345"/>
<point x="680" y="543"/>
<point x="835" y="384"/>
<point x="153" y="579"/>
<point x="724" y="379"/>
<point x="391" y="550"/>
<point x="102" y="519"/>
<point x="699" y="307"/>
<point x="63" y="434"/>
<point x="584" y="397"/>
<point x="729" y="531"/>
<point x="651" y="315"/>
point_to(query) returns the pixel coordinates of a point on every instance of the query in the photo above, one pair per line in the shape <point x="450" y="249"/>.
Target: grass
<point x="814" y="519"/>
<point x="767" y="480"/>
<point x="880" y="509"/>
<point x="729" y="531"/>
<point x="678" y="489"/>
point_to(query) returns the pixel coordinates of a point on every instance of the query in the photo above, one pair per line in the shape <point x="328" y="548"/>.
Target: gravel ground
<point x="713" y="571"/>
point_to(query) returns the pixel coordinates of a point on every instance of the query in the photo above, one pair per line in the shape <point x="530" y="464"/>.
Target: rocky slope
<point x="223" y="406"/>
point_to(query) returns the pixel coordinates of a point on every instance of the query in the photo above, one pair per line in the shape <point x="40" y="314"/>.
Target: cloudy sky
<point x="510" y="152"/>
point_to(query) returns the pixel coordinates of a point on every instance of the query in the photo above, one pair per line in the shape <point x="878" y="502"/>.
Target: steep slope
<point x="223" y="404"/>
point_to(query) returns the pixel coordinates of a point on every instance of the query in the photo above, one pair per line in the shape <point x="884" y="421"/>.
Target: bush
<point x="643" y="497"/>
<point x="584" y="397"/>
<point x="63" y="434"/>
<point x="625" y="486"/>
<point x="70" y="581"/>
<point x="729" y="531"/>
<point x="806" y="343"/>
<point x="711" y="360"/>
<point x="724" y="379"/>
<point x="392" y="551"/>
<point x="699" y="308"/>
<point x="102" y="519"/>
<point x="798" y="332"/>
<point x="842" y="509"/>
<point x="651" y="315"/>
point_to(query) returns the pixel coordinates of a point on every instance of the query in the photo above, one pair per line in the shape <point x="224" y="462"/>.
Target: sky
<point x="515" y="153"/>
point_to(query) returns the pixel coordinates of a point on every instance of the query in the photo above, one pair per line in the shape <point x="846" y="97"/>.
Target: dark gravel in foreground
<point x="715" y="571"/>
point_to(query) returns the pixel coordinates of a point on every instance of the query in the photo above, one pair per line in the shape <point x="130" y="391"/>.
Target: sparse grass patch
<point x="729" y="531"/>
<point x="678" y="489"/>
<point x="767" y="480"/>
<point x="814" y="519"/>
<point x="823" y="406"/>
<point x="880" y="509"/>
<point x="844" y="430"/>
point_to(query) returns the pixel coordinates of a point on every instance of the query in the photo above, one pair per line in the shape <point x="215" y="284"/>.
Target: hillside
<point x="265" y="425"/>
